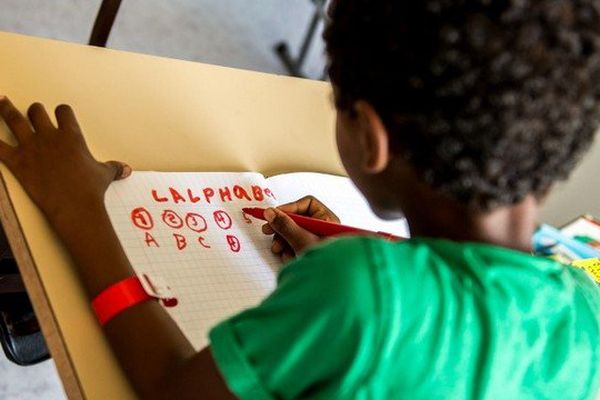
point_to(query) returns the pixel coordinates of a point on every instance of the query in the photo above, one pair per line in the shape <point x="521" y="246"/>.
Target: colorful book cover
<point x="550" y="242"/>
<point x="585" y="229"/>
<point x="577" y="243"/>
<point x="591" y="266"/>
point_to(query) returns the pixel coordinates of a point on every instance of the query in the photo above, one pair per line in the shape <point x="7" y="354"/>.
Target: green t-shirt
<point x="364" y="318"/>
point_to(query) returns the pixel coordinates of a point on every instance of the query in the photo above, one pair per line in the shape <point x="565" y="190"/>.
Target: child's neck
<point x="510" y="227"/>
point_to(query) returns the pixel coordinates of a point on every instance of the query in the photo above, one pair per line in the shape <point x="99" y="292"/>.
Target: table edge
<point x="38" y="296"/>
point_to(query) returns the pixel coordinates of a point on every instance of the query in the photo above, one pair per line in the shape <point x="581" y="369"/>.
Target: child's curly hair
<point x="489" y="100"/>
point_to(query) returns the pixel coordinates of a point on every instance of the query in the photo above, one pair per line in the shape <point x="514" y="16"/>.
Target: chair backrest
<point x="20" y="335"/>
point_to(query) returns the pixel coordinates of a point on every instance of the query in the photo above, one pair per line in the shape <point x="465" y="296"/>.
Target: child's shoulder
<point x="405" y="297"/>
<point x="350" y="254"/>
<point x="416" y="253"/>
<point x="354" y="264"/>
<point x="437" y="262"/>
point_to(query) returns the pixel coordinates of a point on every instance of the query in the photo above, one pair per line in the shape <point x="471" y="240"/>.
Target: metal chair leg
<point x="294" y="65"/>
<point x="104" y="22"/>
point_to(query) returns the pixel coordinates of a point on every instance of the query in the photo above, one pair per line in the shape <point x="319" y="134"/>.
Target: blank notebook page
<point x="188" y="229"/>
<point x="340" y="195"/>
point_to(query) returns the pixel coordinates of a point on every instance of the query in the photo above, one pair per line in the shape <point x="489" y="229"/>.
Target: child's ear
<point x="374" y="138"/>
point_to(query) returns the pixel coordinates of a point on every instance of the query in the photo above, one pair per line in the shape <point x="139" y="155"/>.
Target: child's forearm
<point x="88" y="236"/>
<point x="100" y="261"/>
<point x="150" y="347"/>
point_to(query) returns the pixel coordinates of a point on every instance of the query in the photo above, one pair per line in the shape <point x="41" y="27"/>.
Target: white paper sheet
<point x="339" y="195"/>
<point x="209" y="283"/>
<point x="189" y="230"/>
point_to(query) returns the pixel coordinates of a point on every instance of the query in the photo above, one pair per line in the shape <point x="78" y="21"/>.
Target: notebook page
<point x="189" y="230"/>
<point x="339" y="194"/>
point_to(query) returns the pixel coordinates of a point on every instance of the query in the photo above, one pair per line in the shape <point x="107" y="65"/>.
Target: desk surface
<point x="161" y="114"/>
<point x="156" y="114"/>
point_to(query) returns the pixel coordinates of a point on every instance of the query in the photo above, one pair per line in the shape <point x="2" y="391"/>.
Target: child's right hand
<point x="290" y="239"/>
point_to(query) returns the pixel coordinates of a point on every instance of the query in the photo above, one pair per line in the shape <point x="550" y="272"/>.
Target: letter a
<point x="150" y="240"/>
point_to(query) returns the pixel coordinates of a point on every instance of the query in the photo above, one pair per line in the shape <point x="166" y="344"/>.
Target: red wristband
<point x="119" y="297"/>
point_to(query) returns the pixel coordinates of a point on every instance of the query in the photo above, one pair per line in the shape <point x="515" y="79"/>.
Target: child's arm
<point x="61" y="176"/>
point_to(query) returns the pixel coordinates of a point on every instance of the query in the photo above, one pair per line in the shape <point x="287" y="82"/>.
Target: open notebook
<point x="189" y="230"/>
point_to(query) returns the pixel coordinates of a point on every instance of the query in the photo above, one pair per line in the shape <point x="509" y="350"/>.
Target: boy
<point x="459" y="114"/>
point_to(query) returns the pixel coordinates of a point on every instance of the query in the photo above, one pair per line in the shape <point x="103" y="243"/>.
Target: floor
<point x="236" y="33"/>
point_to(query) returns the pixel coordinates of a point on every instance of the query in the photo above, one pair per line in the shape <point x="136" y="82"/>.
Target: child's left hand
<point x="54" y="164"/>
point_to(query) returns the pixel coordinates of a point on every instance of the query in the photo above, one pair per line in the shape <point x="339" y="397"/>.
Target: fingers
<point x="5" y="151"/>
<point x="279" y="244"/>
<point x="312" y="207"/>
<point x="282" y="249"/>
<point x="283" y="225"/>
<point x="15" y="121"/>
<point x="39" y="118"/>
<point x="287" y="256"/>
<point x="267" y="230"/>
<point x="66" y="119"/>
<point x="118" y="170"/>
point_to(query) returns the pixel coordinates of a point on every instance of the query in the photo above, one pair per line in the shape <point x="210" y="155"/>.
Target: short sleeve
<point x="314" y="336"/>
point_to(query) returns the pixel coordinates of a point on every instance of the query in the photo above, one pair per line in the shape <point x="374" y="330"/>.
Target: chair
<point x="109" y="9"/>
<point x="294" y="65"/>
<point x="20" y="334"/>
<point x="104" y="22"/>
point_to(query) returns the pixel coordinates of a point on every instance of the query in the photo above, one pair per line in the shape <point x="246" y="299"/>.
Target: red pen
<point x="320" y="227"/>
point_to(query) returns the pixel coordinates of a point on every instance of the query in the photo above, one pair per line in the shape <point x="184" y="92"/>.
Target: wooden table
<point x="156" y="114"/>
<point x="161" y="114"/>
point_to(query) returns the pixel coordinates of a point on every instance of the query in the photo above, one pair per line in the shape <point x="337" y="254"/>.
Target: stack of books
<point x="576" y="243"/>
